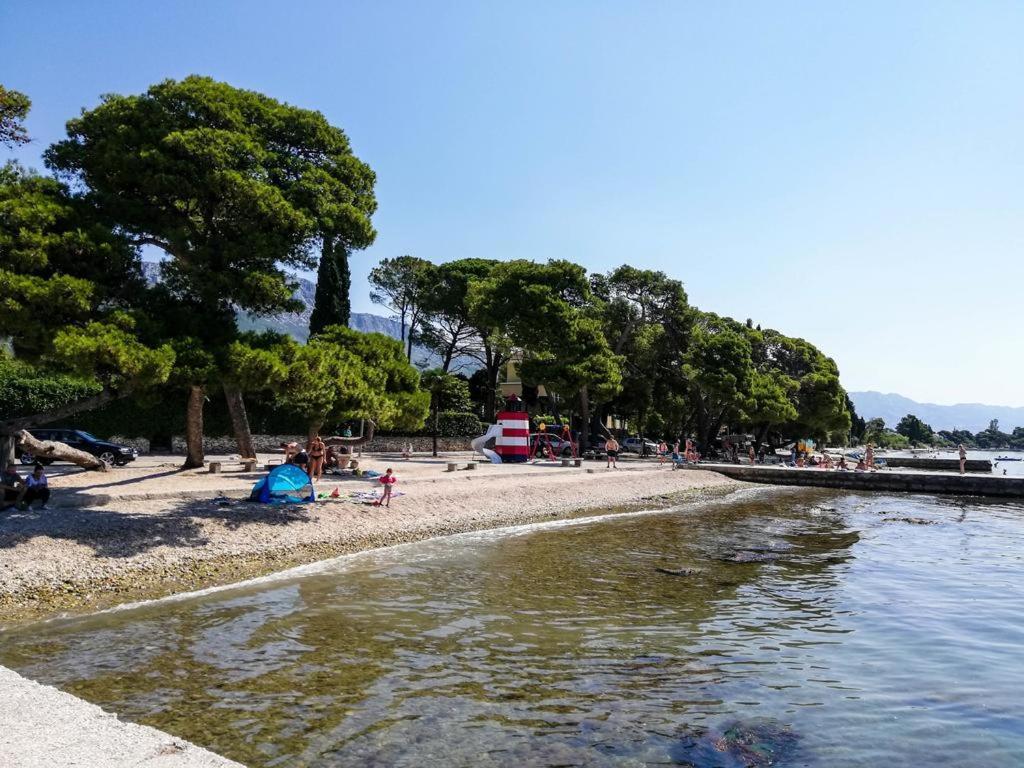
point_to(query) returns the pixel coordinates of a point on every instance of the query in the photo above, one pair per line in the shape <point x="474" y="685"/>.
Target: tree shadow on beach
<point x="120" y="534"/>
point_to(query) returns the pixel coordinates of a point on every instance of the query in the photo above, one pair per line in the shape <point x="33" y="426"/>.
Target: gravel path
<point x="128" y="546"/>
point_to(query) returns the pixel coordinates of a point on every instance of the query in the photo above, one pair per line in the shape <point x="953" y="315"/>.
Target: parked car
<point x="636" y="445"/>
<point x="558" y="445"/>
<point x="111" y="453"/>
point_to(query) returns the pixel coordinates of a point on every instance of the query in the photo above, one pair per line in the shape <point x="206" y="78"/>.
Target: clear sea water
<point x="817" y="628"/>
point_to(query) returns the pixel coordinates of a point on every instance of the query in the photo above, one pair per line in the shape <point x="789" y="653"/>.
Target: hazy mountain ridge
<point x="971" y="416"/>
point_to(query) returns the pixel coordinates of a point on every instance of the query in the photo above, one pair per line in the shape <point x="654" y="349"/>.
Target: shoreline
<point x="83" y="560"/>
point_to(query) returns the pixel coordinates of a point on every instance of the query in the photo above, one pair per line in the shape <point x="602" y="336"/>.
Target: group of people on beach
<point x="20" y="491"/>
<point x="316" y="457"/>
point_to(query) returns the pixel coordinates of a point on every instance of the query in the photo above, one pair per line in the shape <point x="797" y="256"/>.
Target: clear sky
<point x="852" y="173"/>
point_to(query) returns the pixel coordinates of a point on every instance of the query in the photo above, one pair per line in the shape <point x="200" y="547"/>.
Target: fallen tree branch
<point x="51" y="449"/>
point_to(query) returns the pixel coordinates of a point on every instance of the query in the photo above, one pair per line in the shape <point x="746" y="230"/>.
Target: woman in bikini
<point x="317" y="451"/>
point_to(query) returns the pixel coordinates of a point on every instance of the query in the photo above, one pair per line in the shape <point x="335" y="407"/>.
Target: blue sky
<point x="846" y="172"/>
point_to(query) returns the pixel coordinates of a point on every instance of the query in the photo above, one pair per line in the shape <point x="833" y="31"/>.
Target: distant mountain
<point x="296" y="324"/>
<point x="971" y="416"/>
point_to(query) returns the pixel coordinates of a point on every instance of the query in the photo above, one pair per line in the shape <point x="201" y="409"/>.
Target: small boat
<point x="1008" y="458"/>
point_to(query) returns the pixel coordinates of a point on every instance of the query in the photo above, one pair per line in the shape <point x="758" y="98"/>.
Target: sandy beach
<point x="149" y="530"/>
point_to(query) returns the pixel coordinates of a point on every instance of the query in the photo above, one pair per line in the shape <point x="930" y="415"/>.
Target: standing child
<point x="662" y="452"/>
<point x="387" y="480"/>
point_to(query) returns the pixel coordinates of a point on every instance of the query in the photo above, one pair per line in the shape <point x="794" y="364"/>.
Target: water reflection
<point x="811" y="628"/>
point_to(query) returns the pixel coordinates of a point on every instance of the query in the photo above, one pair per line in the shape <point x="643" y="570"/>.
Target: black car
<point x="111" y="453"/>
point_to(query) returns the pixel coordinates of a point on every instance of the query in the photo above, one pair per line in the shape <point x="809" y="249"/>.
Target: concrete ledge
<point x="885" y="480"/>
<point x="42" y="727"/>
<point x="937" y="465"/>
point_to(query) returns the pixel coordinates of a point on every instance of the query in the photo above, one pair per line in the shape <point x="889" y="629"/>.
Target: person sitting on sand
<point x="611" y="447"/>
<point x="827" y="463"/>
<point x="12" y="487"/>
<point x="317" y="451"/>
<point x="387" y="480"/>
<point x="861" y="465"/>
<point x="290" y="449"/>
<point x="407" y="451"/>
<point x="37" y="487"/>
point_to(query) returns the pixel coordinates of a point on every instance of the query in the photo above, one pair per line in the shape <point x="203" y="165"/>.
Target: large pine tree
<point x="331" y="305"/>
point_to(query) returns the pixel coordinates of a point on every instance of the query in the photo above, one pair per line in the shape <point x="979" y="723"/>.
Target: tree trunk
<point x="584" y="420"/>
<point x="50" y="449"/>
<point x="313" y="430"/>
<point x="6" y="451"/>
<point x="239" y="421"/>
<point x="194" y="456"/>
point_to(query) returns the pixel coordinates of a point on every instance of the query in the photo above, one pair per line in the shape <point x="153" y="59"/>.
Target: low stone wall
<point x="937" y="465"/>
<point x="899" y="482"/>
<point x="140" y="444"/>
<point x="272" y="443"/>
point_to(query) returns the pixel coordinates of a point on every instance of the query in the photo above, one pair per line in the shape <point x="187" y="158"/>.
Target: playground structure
<point x="541" y="444"/>
<point x="510" y="436"/>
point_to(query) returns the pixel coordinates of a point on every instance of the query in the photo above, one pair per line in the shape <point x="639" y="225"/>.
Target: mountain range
<point x="970" y="416"/>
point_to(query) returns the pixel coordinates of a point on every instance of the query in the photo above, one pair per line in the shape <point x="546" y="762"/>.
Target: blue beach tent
<point x="287" y="484"/>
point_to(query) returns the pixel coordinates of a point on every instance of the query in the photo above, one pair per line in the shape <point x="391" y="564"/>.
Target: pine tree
<point x="331" y="303"/>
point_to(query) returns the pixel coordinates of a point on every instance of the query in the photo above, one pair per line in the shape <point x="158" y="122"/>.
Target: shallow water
<point x="819" y="629"/>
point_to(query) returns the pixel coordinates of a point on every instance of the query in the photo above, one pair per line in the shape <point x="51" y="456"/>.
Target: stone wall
<point x="272" y="443"/>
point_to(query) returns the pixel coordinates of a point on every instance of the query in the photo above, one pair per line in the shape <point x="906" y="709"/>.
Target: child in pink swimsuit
<point x="387" y="480"/>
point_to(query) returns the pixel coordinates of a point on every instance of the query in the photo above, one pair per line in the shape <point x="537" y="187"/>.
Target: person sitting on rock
<point x="12" y="487"/>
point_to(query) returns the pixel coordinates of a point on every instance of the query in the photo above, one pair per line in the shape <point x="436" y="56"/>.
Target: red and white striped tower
<point x="513" y="444"/>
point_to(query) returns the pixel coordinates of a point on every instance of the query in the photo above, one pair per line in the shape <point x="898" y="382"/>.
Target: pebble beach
<point x="150" y="530"/>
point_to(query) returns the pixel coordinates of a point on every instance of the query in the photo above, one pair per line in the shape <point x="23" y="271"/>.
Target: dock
<point x="889" y="481"/>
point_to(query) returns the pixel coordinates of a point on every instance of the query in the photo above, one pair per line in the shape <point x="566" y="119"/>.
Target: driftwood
<point x="352" y="442"/>
<point x="51" y="449"/>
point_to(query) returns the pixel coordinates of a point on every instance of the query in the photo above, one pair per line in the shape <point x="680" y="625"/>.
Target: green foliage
<point x="25" y="390"/>
<point x="331" y="304"/>
<point x="402" y="285"/>
<point x="456" y="424"/>
<point x="915" y="430"/>
<point x="339" y="375"/>
<point x="449" y="392"/>
<point x="14" y="107"/>
<point x="233" y="185"/>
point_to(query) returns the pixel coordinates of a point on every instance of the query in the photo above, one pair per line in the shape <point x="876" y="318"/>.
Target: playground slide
<point x="478" y="443"/>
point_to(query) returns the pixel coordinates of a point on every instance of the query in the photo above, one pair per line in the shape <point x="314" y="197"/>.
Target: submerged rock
<point x="678" y="571"/>
<point x="744" y="744"/>
<point x="747" y="556"/>
<point x="911" y="520"/>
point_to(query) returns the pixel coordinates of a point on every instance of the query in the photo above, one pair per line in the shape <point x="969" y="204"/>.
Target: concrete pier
<point x="882" y="480"/>
<point x="936" y="465"/>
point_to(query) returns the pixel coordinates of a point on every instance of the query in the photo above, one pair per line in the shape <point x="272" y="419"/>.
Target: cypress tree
<point x="331" y="302"/>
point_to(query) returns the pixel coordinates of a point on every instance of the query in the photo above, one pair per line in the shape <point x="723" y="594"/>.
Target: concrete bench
<point x="577" y="462"/>
<point x="249" y="465"/>
<point x="214" y="467"/>
<point x="471" y="465"/>
<point x="270" y="465"/>
<point x="566" y="462"/>
<point x="452" y="466"/>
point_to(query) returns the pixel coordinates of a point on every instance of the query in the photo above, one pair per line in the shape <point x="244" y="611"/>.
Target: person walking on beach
<point x="611" y="447"/>
<point x="317" y="451"/>
<point x="387" y="480"/>
<point x="662" y="452"/>
<point x="963" y="457"/>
